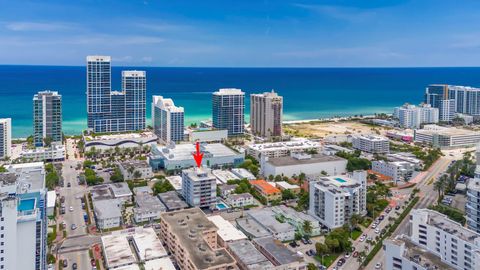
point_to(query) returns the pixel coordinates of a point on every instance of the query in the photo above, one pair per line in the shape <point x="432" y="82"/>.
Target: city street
<point x="80" y="257"/>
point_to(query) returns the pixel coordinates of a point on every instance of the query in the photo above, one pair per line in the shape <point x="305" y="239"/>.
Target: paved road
<point x="427" y="195"/>
<point x="81" y="258"/>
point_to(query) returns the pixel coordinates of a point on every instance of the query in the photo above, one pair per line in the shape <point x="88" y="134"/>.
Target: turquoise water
<point x="221" y="206"/>
<point x="26" y="205"/>
<point x="340" y="180"/>
<point x="309" y="93"/>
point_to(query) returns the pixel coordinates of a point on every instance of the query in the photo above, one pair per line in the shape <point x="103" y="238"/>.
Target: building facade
<point x="411" y="116"/>
<point x="446" y="137"/>
<point x="228" y="110"/>
<point x="334" y="199"/>
<point x="47" y="117"/>
<point x="282" y="149"/>
<point x="199" y="187"/>
<point x="371" y="143"/>
<point x="114" y="111"/>
<point x="167" y="119"/>
<point x="397" y="170"/>
<point x="465" y="98"/>
<point x="5" y="137"/>
<point x="266" y="114"/>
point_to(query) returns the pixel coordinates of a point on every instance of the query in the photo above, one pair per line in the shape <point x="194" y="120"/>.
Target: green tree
<point x="137" y="174"/>
<point x="311" y="266"/>
<point x="117" y="176"/>
<point x="162" y="186"/>
<point x="47" y="141"/>
<point x="2" y="169"/>
<point x="439" y="186"/>
<point x="307" y="227"/>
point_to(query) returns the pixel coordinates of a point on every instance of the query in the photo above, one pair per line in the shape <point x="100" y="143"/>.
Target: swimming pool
<point x="340" y="180"/>
<point x="25" y="205"/>
<point x="221" y="206"/>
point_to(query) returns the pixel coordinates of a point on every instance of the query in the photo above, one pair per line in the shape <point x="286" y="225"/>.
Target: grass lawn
<point x="355" y="234"/>
<point x="327" y="259"/>
<point x="366" y="222"/>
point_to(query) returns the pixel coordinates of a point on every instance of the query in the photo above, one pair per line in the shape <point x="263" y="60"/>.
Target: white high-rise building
<point x="472" y="207"/>
<point x="199" y="187"/>
<point x="5" y="137"/>
<point x="167" y="119"/>
<point x="446" y="110"/>
<point x="334" y="199"/>
<point x="228" y="110"/>
<point x="47" y="117"/>
<point x="266" y="114"/>
<point x="23" y="219"/>
<point x="446" y="244"/>
<point x="411" y="116"/>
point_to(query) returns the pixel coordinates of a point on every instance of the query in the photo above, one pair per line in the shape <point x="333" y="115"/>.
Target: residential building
<point x="240" y="200"/>
<point x="192" y="239"/>
<point x="117" y="142"/>
<point x="472" y="207"/>
<point x="466" y="98"/>
<point x="142" y="190"/>
<point x="174" y="158"/>
<point x="283" y="149"/>
<point x="269" y="192"/>
<point x="172" y="201"/>
<point x="121" y="191"/>
<point x="108" y="213"/>
<point x="297" y="163"/>
<point x="252" y="228"/>
<point x="242" y="173"/>
<point x="114" y="111"/>
<point x="297" y="219"/>
<point x="247" y="256"/>
<point x="467" y="118"/>
<point x="334" y="199"/>
<point x="226" y="190"/>
<point x="397" y="170"/>
<point x="411" y="116"/>
<point x="446" y="110"/>
<point x="167" y="119"/>
<point x="199" y="187"/>
<point x="135" y="169"/>
<point x="55" y="152"/>
<point x="51" y="201"/>
<point x="127" y="249"/>
<point x="447" y="137"/>
<point x="371" y="143"/>
<point x="175" y="181"/>
<point x="454" y="244"/>
<point x="283" y="185"/>
<point x="228" y="110"/>
<point x="207" y="135"/>
<point x="267" y="219"/>
<point x="226" y="232"/>
<point x="147" y="208"/>
<point x="223" y="176"/>
<point x="5" y="138"/>
<point x="101" y="192"/>
<point x="23" y="217"/>
<point x="402" y="253"/>
<point x="278" y="253"/>
<point x="47" y="117"/>
<point x="266" y="114"/>
<point x="332" y="149"/>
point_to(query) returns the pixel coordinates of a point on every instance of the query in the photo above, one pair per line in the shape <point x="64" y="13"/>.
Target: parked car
<point x="378" y="265"/>
<point x="65" y="263"/>
<point x="73" y="227"/>
<point x="355" y="254"/>
<point x="293" y="244"/>
<point x="74" y="266"/>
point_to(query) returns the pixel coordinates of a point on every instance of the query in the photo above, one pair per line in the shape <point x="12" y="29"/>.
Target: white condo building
<point x="472" y="207"/>
<point x="446" y="244"/>
<point x="411" y="116"/>
<point x="5" y="137"/>
<point x="199" y="187"/>
<point x="266" y="113"/>
<point x="167" y="119"/>
<point x="334" y="199"/>
<point x="282" y="149"/>
<point x="23" y="217"/>
<point x="371" y="144"/>
<point x="228" y="110"/>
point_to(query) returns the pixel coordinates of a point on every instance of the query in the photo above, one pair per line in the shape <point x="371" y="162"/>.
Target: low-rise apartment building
<point x="397" y="170"/>
<point x="267" y="191"/>
<point x="135" y="169"/>
<point x="282" y="149"/>
<point x="240" y="200"/>
<point x="371" y="144"/>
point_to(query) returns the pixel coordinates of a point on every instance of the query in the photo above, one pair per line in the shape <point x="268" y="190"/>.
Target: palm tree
<point x="307" y="227"/>
<point x="354" y="220"/>
<point x="439" y="186"/>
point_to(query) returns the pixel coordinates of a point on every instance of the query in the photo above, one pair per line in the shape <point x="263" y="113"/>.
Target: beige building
<point x="266" y="114"/>
<point x="192" y="239"/>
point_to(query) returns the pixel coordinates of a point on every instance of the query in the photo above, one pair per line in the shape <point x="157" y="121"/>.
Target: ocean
<point x="309" y="93"/>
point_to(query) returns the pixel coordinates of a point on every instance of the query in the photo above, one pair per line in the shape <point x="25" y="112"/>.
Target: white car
<point x="378" y="265"/>
<point x="71" y="208"/>
<point x="377" y="230"/>
<point x="362" y="238"/>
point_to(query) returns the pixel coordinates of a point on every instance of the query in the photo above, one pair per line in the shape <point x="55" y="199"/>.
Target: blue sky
<point x="242" y="33"/>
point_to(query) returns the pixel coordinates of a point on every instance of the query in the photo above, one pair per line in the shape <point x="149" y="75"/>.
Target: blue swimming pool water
<point x="340" y="180"/>
<point x="221" y="206"/>
<point x="27" y="204"/>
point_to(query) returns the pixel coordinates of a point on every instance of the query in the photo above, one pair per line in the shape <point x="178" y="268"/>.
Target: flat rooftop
<point x="339" y="181"/>
<point x="176" y="181"/>
<point x="188" y="226"/>
<point x="105" y="209"/>
<point x="120" y="189"/>
<point x="294" y="143"/>
<point x="30" y="176"/>
<point x="243" y="173"/>
<point x="159" y="264"/>
<point x="414" y="253"/>
<point x="252" y="227"/>
<point x="135" y="164"/>
<point x="249" y="255"/>
<point x="316" y="158"/>
<point x="101" y="192"/>
<point x="223" y="175"/>
<point x="443" y="223"/>
<point x="172" y="201"/>
<point x="184" y="151"/>
<point x="278" y="250"/>
<point x="121" y="136"/>
<point x="148" y="203"/>
<point x="125" y="246"/>
<point x="198" y="174"/>
<point x="226" y="230"/>
<point x="267" y="218"/>
<point x="371" y="137"/>
<point x="446" y="131"/>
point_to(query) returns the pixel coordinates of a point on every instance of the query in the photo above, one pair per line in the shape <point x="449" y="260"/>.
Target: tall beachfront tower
<point x="134" y="86"/>
<point x="114" y="111"/>
<point x="47" y="117"/>
<point x="228" y="110"/>
<point x="5" y="137"/>
<point x="98" y="92"/>
<point x="266" y="113"/>
<point x="168" y="119"/>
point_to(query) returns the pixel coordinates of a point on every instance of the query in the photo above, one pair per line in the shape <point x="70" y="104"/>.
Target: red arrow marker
<point x="198" y="156"/>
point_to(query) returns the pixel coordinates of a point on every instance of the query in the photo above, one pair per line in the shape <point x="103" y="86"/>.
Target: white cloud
<point x="36" y="26"/>
<point x="340" y="13"/>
